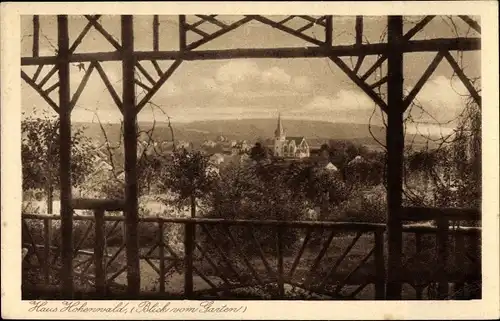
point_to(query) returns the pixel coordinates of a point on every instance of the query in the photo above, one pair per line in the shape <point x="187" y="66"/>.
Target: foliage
<point x="189" y="176"/>
<point x="258" y="153"/>
<point x="40" y="153"/>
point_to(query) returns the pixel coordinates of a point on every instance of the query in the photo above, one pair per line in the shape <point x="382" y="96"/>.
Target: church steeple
<point x="280" y="131"/>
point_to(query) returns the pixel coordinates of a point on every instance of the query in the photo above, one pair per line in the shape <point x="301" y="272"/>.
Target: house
<point x="289" y="146"/>
<point x="217" y="159"/>
<point x="331" y="167"/>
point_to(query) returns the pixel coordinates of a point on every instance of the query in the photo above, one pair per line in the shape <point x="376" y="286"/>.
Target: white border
<point x="488" y="307"/>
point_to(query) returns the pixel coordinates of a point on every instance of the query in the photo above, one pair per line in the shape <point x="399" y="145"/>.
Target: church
<point x="289" y="146"/>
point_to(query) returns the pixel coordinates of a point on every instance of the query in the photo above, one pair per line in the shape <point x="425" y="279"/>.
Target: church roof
<point x="297" y="139"/>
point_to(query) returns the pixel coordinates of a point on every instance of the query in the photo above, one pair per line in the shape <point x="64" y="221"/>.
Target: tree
<point x="40" y="154"/>
<point x="258" y="153"/>
<point x="190" y="176"/>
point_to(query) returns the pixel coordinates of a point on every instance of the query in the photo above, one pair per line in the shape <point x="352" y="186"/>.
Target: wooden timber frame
<point x="392" y="51"/>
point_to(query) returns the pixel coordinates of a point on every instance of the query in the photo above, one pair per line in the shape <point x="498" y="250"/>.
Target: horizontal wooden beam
<point x="341" y="226"/>
<point x="431" y="45"/>
<point x="431" y="213"/>
<point x="97" y="204"/>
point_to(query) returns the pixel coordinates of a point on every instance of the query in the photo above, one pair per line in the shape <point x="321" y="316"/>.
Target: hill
<point x="316" y="132"/>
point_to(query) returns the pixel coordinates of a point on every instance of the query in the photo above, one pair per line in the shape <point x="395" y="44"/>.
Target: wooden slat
<point x="116" y="274"/>
<point x="361" y="84"/>
<point x="220" y="251"/>
<point x="279" y="267"/>
<point x="296" y="261"/>
<point x="419" y="26"/>
<point x="161" y="255"/>
<point x="379" y="83"/>
<point x="328" y="31"/>
<point x="156" y="33"/>
<point x="42" y="94"/>
<point x="32" y="242"/>
<point x="82" y="85"/>
<point x="109" y="87"/>
<point x="51" y="88"/>
<point x="47" y="240"/>
<point x="83" y="33"/>
<point x="218" y="33"/>
<point x="286" y="19"/>
<point x="188" y="259"/>
<point x="157" y="68"/>
<point x="423" y="80"/>
<point x="114" y="256"/>
<point x="196" y="30"/>
<point x="140" y="84"/>
<point x="212" y="20"/>
<point x="318" y="21"/>
<point x="270" y="271"/>
<point x="359" y="289"/>
<point x="442" y="256"/>
<point x="36" y="35"/>
<point x="99" y="245"/>
<point x="47" y="77"/>
<point x="337" y="263"/>
<point x="319" y="257"/>
<point x="460" y="73"/>
<point x="339" y="287"/>
<point x="379" y="265"/>
<point x="158" y="84"/>
<point x="37" y="73"/>
<point x="83" y="238"/>
<point x="242" y="255"/>
<point x="146" y="74"/>
<point x="305" y="27"/>
<point x="472" y="23"/>
<point x="182" y="32"/>
<point x="286" y="29"/>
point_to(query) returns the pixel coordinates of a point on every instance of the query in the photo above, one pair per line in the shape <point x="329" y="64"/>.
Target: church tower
<point x="279" y="138"/>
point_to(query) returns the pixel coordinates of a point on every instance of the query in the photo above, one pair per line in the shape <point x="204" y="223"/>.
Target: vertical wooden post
<point x="129" y="136"/>
<point x="182" y="32"/>
<point x="156" y="33"/>
<point x="418" y="250"/>
<point x="65" y="157"/>
<point x="459" y="262"/>
<point x="36" y="35"/>
<point x="359" y="30"/>
<point x="161" y="255"/>
<point x="279" y="254"/>
<point x="442" y="256"/>
<point x="328" y="31"/>
<point x="395" y="146"/>
<point x="188" y="259"/>
<point x="99" y="245"/>
<point x="47" y="227"/>
<point x="379" y="265"/>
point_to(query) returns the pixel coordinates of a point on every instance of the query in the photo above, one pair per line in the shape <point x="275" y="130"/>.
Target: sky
<point x="299" y="88"/>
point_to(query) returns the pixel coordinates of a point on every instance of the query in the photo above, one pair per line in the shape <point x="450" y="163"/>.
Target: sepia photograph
<point x="225" y="157"/>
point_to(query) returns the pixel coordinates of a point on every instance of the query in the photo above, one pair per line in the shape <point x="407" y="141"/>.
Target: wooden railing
<point x="318" y="259"/>
<point x="456" y="263"/>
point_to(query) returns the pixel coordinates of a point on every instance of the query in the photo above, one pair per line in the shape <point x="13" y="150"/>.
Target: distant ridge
<point x="316" y="132"/>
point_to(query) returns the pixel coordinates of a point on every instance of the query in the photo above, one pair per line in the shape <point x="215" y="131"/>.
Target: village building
<point x="289" y="146"/>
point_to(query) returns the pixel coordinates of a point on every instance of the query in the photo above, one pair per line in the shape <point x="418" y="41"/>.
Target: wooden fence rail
<point x="217" y="249"/>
